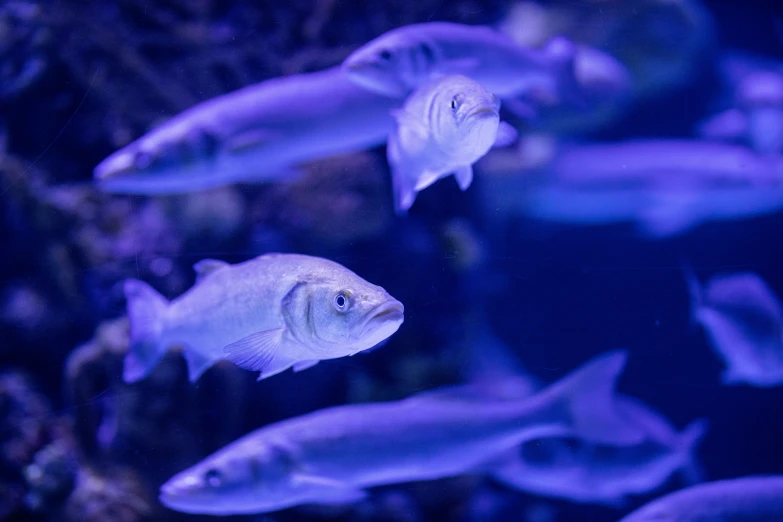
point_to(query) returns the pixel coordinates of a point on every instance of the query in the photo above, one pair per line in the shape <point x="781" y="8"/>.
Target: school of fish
<point x="434" y="94"/>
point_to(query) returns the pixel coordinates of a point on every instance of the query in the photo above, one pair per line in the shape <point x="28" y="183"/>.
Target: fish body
<point x="665" y="187"/>
<point x="743" y="319"/>
<point x="403" y="59"/>
<point x="266" y="314"/>
<point x="332" y="455"/>
<point x="582" y="471"/>
<point x="746" y="499"/>
<point x="255" y="134"/>
<point x="442" y="129"/>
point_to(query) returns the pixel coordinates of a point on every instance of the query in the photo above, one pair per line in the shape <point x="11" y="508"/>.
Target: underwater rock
<point x="23" y="47"/>
<point x="29" y="434"/>
<point x="117" y="496"/>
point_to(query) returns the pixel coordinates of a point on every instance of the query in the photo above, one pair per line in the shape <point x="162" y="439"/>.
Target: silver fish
<point x="267" y="314"/>
<point x="255" y="134"/>
<point x="330" y="456"/>
<point x="744" y="321"/>
<point x="746" y="499"/>
<point x="443" y="128"/>
<point x="582" y="471"/>
<point x="401" y="60"/>
<point x="665" y="187"/>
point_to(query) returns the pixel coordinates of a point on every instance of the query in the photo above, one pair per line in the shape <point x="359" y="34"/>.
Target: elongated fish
<point x="267" y="314"/>
<point x="401" y="60"/>
<point x="746" y="499"/>
<point x="743" y="319"/>
<point x="443" y="128"/>
<point x="332" y="455"/>
<point x="255" y="134"/>
<point x="665" y="187"/>
<point x="583" y="471"/>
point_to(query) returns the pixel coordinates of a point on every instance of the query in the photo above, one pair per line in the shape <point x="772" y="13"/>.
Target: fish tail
<point x="146" y="311"/>
<point x="562" y="52"/>
<point x="589" y="396"/>
<point x="688" y="441"/>
<point x="694" y="291"/>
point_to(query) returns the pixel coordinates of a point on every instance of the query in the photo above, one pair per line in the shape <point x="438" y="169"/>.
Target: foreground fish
<point x="267" y="314"/>
<point x="583" y="471"/>
<point x="665" y="187"/>
<point x="332" y="455"/>
<point x="747" y="499"/>
<point x="255" y="134"/>
<point x="403" y="59"/>
<point x="443" y="128"/>
<point x="744" y="321"/>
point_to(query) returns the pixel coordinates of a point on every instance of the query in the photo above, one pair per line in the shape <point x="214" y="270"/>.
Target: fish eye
<point x="341" y="301"/>
<point x="456" y="101"/>
<point x="213" y="478"/>
<point x="385" y="54"/>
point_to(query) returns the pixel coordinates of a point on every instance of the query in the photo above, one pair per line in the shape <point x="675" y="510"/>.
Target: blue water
<point x="556" y="295"/>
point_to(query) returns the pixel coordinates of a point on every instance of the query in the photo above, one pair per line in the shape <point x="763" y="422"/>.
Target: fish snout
<point x="390" y="311"/>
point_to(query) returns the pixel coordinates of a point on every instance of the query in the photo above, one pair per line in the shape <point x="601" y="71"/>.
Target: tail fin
<point x="694" y="291"/>
<point x="562" y="52"/>
<point x="687" y="443"/>
<point x="590" y="396"/>
<point x="146" y="308"/>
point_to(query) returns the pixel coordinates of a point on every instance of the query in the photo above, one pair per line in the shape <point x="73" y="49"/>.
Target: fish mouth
<point x="390" y="311"/>
<point x="483" y="112"/>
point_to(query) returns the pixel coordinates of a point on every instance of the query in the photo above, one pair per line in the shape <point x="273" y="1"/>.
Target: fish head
<point x="393" y="64"/>
<point x="465" y="117"/>
<point x="342" y="315"/>
<point x="172" y="154"/>
<point x="241" y="478"/>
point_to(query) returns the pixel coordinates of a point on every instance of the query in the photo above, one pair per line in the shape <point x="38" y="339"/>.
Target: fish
<point x="743" y="319"/>
<point x="267" y="314"/>
<point x="401" y="60"/>
<point x="331" y="456"/>
<point x="664" y="187"/>
<point x="754" y="115"/>
<point x="442" y="129"/>
<point x="582" y="471"/>
<point x="569" y="467"/>
<point x="744" y="499"/>
<point x="257" y="134"/>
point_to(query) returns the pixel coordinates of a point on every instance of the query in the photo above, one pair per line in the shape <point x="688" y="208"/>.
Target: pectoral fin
<point x="328" y="491"/>
<point x="261" y="351"/>
<point x="403" y="187"/>
<point x="464" y="176"/>
<point x="506" y="135"/>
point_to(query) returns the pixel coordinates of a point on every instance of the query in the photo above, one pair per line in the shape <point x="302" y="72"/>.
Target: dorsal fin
<point x="207" y="266"/>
